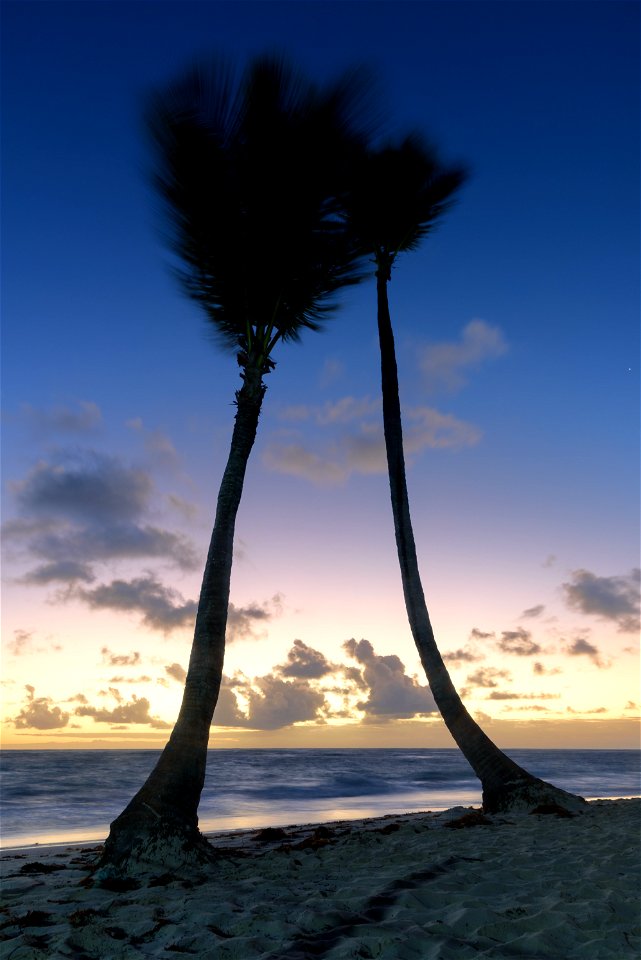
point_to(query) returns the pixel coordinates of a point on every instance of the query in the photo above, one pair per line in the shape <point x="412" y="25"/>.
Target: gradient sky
<point x="518" y="348"/>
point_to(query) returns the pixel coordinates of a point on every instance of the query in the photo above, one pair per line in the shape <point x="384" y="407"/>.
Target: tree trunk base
<point x="142" y="842"/>
<point x="525" y="795"/>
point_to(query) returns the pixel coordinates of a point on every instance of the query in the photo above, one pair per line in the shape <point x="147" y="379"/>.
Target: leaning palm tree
<point x="250" y="177"/>
<point x="399" y="193"/>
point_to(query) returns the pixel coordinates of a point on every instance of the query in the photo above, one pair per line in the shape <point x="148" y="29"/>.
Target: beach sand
<point x="405" y="887"/>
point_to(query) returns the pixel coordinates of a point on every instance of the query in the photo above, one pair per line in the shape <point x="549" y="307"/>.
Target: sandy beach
<point x="420" y="886"/>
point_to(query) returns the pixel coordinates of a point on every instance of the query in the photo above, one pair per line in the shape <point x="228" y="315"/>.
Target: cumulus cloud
<point x="272" y="703"/>
<point x="392" y="693"/>
<point x="583" y="648"/>
<point x="39" y="714"/>
<point x="447" y="365"/>
<point x="162" y="608"/>
<point x="135" y="711"/>
<point x="519" y="642"/>
<point x="610" y="598"/>
<point x="227" y="712"/>
<point x="305" y="662"/>
<point x="279" y="703"/>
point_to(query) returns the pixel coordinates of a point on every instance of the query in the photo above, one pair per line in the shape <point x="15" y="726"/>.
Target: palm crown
<point x="252" y="177"/>
<point x="397" y="195"/>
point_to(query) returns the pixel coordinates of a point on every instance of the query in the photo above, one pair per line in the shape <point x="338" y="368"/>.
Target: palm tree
<point x="250" y="177"/>
<point x="399" y="193"/>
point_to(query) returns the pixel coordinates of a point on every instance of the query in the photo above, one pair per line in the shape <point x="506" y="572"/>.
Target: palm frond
<point x="399" y="192"/>
<point x="251" y="175"/>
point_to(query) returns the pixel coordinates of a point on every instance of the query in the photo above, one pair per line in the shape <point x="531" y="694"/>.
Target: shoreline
<point x="398" y="887"/>
<point x="45" y="843"/>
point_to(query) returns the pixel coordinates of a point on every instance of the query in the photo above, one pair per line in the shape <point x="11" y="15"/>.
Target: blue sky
<point x="518" y="346"/>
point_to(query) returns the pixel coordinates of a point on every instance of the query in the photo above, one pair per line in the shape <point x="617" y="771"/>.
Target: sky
<point x="518" y="348"/>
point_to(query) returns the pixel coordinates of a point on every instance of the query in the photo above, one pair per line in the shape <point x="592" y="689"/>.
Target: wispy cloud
<point x="82" y="418"/>
<point x="356" y="444"/>
<point x="447" y="365"/>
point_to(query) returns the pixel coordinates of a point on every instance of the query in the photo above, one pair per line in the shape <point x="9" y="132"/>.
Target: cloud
<point x="498" y="695"/>
<point x="176" y="672"/>
<point x="532" y="612"/>
<point x="21" y="642"/>
<point x="162" y="608"/>
<point x="392" y="694"/>
<point x="120" y="660"/>
<point x="610" y="598"/>
<point x="157" y="444"/>
<point x="519" y="642"/>
<point x="361" y="449"/>
<point x="446" y="365"/>
<point x="295" y="460"/>
<point x="457" y="657"/>
<point x="227" y="713"/>
<point x="305" y="662"/>
<point x="333" y="370"/>
<point x="583" y="648"/>
<point x="135" y="711"/>
<point x="542" y="670"/>
<point x="84" y="507"/>
<point x="86" y="486"/>
<point x="65" y="571"/>
<point x="476" y="634"/>
<point x="279" y="703"/>
<point x="85" y="418"/>
<point x="39" y="714"/>
<point x="272" y="703"/>
<point x="241" y="621"/>
<point x="488" y="677"/>
<point x="114" y="541"/>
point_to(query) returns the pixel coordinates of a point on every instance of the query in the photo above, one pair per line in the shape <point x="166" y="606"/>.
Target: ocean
<point x="72" y="795"/>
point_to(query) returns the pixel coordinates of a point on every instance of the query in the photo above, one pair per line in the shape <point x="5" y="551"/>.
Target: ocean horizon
<point x="57" y="795"/>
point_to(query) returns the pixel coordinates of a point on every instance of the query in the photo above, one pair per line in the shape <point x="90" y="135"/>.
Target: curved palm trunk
<point x="160" y="824"/>
<point x="505" y="784"/>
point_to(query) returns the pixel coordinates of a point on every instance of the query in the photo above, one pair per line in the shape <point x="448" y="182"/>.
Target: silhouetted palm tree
<point x="399" y="193"/>
<point x="250" y="176"/>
